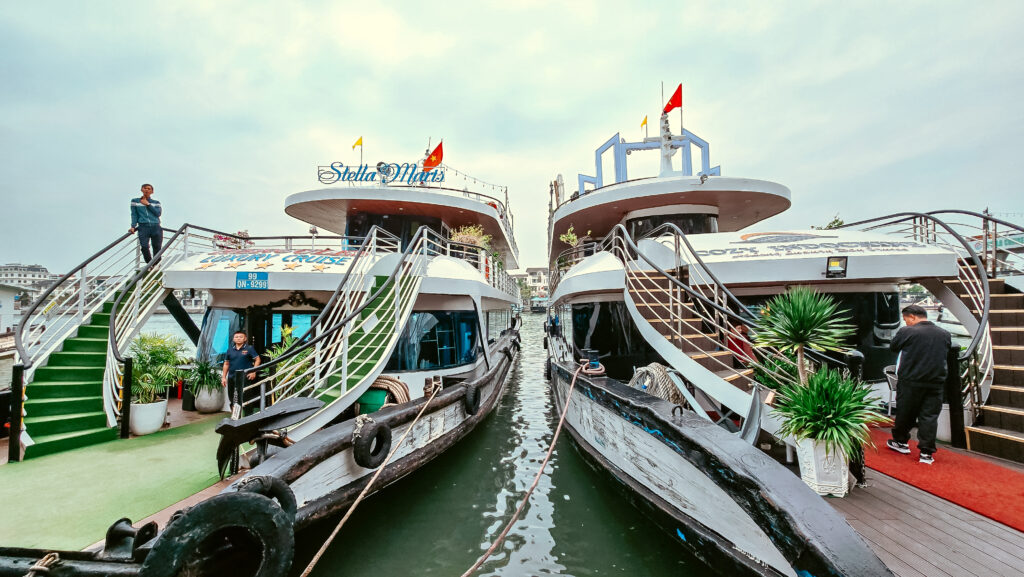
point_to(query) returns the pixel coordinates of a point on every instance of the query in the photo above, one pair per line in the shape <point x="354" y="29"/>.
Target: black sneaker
<point x="898" y="447"/>
<point x="926" y="458"/>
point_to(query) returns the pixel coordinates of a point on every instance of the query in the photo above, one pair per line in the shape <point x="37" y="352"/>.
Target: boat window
<point x="436" y="340"/>
<point x="215" y="337"/>
<point x="402" y="226"/>
<point x="688" y="223"/>
<point x="497" y="321"/>
<point x="607" y="327"/>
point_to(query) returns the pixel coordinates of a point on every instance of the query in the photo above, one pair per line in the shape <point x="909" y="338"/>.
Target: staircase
<point x="64" y="403"/>
<point x="1000" y="428"/>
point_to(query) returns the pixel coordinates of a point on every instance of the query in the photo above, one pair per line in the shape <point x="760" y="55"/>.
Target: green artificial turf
<point x="67" y="500"/>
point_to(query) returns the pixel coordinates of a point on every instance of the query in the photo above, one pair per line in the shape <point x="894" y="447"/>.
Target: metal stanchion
<point x="17" y="400"/>
<point x="126" y="398"/>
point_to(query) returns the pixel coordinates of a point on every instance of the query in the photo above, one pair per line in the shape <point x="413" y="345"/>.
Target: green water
<point x="440" y="519"/>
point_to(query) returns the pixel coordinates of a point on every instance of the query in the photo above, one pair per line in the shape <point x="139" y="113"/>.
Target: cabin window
<point x="402" y="226"/>
<point x="608" y="327"/>
<point x="497" y="321"/>
<point x="215" y="337"/>
<point x="436" y="340"/>
<point x="688" y="223"/>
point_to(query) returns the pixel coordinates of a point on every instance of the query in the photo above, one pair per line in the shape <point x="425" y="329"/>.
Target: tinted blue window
<point x="436" y="340"/>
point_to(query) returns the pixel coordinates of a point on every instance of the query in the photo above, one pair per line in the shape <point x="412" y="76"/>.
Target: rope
<point x="394" y="386"/>
<point x="654" y="380"/>
<point x="561" y="419"/>
<point x="42" y="566"/>
<point x="366" y="489"/>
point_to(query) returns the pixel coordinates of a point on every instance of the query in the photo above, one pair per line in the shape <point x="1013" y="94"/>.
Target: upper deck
<point x="332" y="209"/>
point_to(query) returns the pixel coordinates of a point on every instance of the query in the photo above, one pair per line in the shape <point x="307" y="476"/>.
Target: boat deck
<point x="920" y="535"/>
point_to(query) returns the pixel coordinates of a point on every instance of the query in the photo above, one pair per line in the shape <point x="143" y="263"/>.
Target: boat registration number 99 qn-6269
<point x="252" y="280"/>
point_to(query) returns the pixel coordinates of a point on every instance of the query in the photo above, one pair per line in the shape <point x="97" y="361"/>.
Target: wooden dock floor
<point x="920" y="535"/>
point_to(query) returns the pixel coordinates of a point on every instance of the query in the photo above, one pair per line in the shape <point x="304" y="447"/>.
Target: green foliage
<point x="291" y="369"/>
<point x="773" y="371"/>
<point x="802" y="318"/>
<point x="472" y="234"/>
<point x="155" y="358"/>
<point x="525" y="290"/>
<point x="830" y="408"/>
<point x="204" y="376"/>
<point x="570" y="238"/>
<point x="836" y="222"/>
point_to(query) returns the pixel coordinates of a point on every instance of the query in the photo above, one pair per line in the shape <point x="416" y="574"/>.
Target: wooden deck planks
<point x="918" y="534"/>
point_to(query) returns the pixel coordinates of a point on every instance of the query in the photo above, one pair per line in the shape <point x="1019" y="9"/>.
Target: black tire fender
<point x="471" y="402"/>
<point x="273" y="488"/>
<point x="371" y="444"/>
<point x="258" y="529"/>
<point x="547" y="369"/>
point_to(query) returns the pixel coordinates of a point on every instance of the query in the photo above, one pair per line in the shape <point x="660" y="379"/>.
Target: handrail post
<point x="126" y="398"/>
<point x="17" y="404"/>
<point x="81" y="295"/>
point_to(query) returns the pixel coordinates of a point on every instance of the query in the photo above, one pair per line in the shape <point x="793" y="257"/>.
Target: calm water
<point x="440" y="519"/>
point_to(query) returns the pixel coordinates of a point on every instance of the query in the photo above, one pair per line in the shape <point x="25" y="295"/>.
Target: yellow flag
<point x="360" y="141"/>
<point x="644" y="123"/>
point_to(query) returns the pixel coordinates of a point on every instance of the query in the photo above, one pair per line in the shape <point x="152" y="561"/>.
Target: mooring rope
<point x="551" y="449"/>
<point x="42" y="566"/>
<point x="366" y="489"/>
<point x="654" y="380"/>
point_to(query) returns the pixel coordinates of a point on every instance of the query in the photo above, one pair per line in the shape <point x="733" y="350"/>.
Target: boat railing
<point x="999" y="243"/>
<point x="976" y="358"/>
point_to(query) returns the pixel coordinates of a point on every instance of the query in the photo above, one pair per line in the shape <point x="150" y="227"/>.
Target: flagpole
<point x="681" y="111"/>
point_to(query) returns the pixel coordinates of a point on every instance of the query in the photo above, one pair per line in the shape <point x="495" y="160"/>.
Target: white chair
<point x="890" y="377"/>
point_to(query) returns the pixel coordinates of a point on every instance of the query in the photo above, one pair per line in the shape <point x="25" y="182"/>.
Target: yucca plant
<point x="831" y="408"/>
<point x="799" y="319"/>
<point x="774" y="370"/>
<point x="155" y="359"/>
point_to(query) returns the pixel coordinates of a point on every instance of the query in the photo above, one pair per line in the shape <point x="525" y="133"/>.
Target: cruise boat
<point x="659" y="296"/>
<point x="385" y="342"/>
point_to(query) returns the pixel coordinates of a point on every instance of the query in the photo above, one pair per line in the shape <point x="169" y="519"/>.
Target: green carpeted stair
<point x="64" y="409"/>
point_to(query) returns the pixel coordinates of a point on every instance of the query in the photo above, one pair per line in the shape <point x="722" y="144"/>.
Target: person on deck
<point x="146" y="213"/>
<point x="739" y="345"/>
<point x="240" y="356"/>
<point x="920" y="375"/>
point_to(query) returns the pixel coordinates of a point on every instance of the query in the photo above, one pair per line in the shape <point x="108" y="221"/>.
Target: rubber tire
<point x="471" y="402"/>
<point x="363" y="441"/>
<point x="262" y="518"/>
<point x="547" y="369"/>
<point x="273" y="488"/>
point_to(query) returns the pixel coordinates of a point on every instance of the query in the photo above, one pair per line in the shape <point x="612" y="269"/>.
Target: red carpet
<point x="983" y="487"/>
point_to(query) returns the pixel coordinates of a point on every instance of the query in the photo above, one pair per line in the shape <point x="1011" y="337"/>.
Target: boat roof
<point x="329" y="208"/>
<point x="739" y="202"/>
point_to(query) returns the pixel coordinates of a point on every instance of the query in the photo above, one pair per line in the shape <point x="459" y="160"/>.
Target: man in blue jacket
<point x="920" y="376"/>
<point x="146" y="213"/>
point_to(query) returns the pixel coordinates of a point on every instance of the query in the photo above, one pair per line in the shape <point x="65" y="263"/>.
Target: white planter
<point x="148" y="418"/>
<point x="210" y="400"/>
<point x="942" y="433"/>
<point x="825" y="474"/>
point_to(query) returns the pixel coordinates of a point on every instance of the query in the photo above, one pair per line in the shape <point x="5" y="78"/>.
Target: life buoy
<point x="371" y="444"/>
<point x="260" y="538"/>
<point x="471" y="402"/>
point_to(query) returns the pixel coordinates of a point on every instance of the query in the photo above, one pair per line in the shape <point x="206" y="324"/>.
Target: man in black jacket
<point x="920" y="375"/>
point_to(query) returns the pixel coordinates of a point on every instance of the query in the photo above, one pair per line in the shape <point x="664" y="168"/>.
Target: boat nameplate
<point x="252" y="281"/>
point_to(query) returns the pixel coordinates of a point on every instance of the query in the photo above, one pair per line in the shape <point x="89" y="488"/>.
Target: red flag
<point x="431" y="162"/>
<point x="675" y="102"/>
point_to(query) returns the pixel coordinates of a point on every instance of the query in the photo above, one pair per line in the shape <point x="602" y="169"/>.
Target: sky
<point x="860" y="108"/>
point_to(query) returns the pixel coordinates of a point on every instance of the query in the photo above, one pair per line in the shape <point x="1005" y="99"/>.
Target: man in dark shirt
<point x="239" y="356"/>
<point x="920" y="375"/>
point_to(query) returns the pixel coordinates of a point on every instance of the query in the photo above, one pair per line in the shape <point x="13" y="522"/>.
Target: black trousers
<point x="921" y="405"/>
<point x="150" y="235"/>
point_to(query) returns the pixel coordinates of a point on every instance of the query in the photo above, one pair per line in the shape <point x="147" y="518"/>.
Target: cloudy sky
<point x="859" y="108"/>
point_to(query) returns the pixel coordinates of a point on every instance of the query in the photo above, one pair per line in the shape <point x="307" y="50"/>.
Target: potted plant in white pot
<point x="204" y="382"/>
<point x="830" y="418"/>
<point x="793" y="322"/>
<point x="155" y="361"/>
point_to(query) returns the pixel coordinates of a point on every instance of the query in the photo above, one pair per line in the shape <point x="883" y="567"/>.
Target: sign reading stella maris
<point x="384" y="173"/>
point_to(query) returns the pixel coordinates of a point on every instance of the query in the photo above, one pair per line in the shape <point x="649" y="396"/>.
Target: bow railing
<point x="977" y="358"/>
<point x="998" y="243"/>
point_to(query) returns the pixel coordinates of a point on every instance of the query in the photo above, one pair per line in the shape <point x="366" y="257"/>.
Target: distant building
<point x="33" y="278"/>
<point x="7" y="294"/>
<point x="537" y="278"/>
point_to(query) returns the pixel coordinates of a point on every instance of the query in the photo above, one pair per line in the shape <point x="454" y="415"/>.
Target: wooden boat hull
<point x="725" y="501"/>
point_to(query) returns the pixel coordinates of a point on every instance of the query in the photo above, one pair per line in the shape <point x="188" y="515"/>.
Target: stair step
<point x="1007" y="336"/>
<point x="1002" y="417"/>
<point x="63" y="389"/>
<point x="1008" y="375"/>
<point x="56" y="424"/>
<point x="100" y="319"/>
<point x="85" y="345"/>
<point x="714" y="361"/>
<point x="93" y="332"/>
<point x="62" y="405"/>
<point x="49" y="444"/>
<point x="1001" y="301"/>
<point x="996" y="442"/>
<point x="69" y="373"/>
<point x="1008" y="355"/>
<point x="77" y="359"/>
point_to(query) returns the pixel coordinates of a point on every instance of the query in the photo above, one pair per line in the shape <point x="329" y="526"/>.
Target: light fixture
<point x="835" y="267"/>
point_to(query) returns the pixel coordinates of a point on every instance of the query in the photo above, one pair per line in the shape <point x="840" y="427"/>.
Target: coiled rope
<point x="395" y="387"/>
<point x="654" y="380"/>
<point x="42" y="566"/>
<point x="323" y="548"/>
<point x="540" y="473"/>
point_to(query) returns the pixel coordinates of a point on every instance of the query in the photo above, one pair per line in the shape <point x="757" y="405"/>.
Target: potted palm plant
<point x="829" y="416"/>
<point x="204" y="383"/>
<point x="793" y="322"/>
<point x="155" y="367"/>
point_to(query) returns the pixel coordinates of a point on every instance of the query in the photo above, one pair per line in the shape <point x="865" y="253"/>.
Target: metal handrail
<point x="26" y="359"/>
